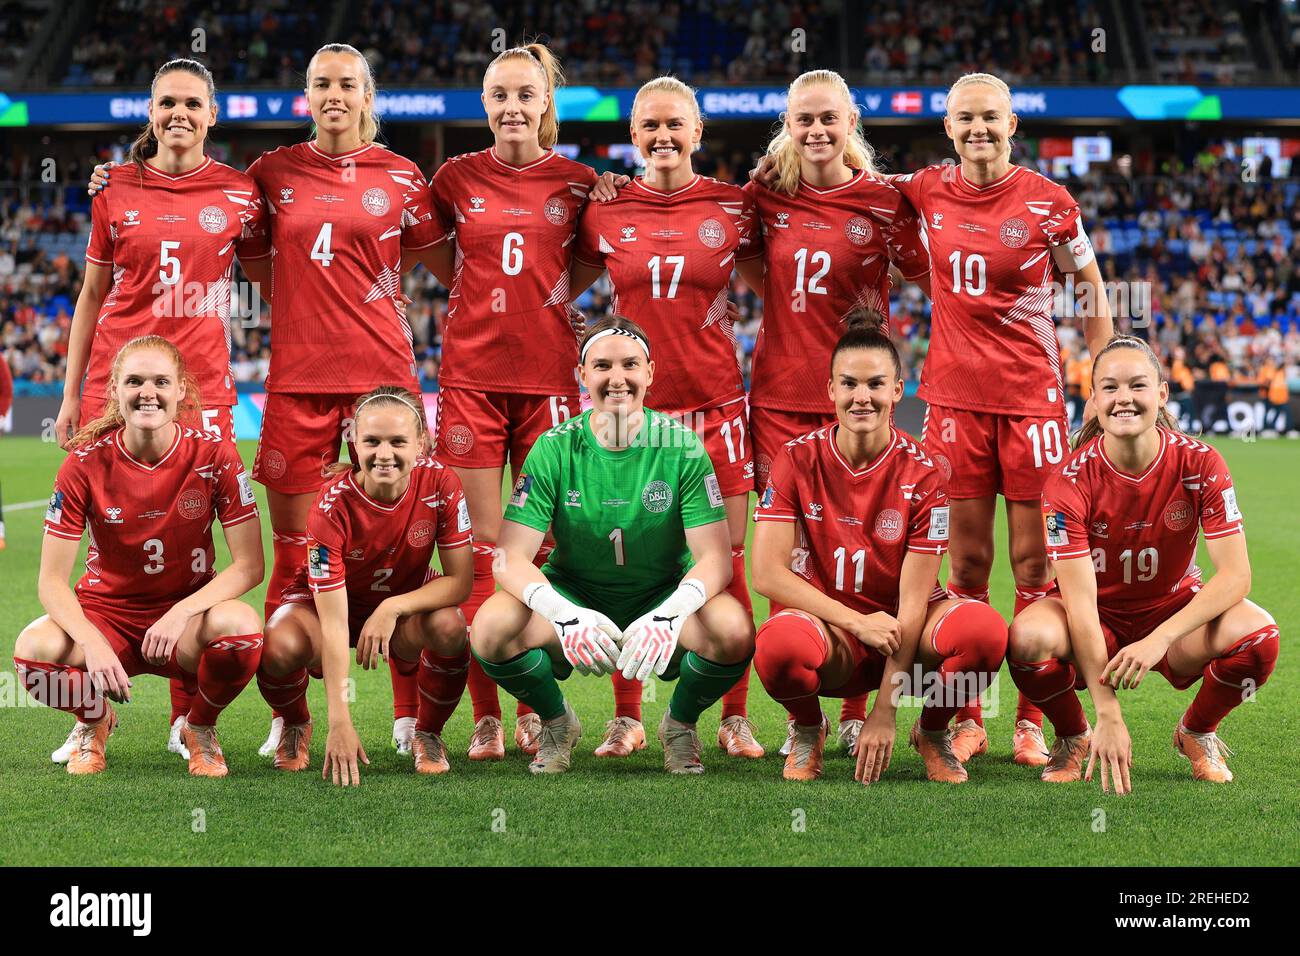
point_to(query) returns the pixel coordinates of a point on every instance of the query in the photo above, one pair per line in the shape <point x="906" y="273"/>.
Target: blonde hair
<point x="988" y="79"/>
<point x="146" y="144"/>
<point x="858" y="153"/>
<point x="1092" y="428"/>
<point x="390" y="396"/>
<point x="187" y="410"/>
<point x="369" y="121"/>
<point x="540" y="56"/>
<point x="668" y="84"/>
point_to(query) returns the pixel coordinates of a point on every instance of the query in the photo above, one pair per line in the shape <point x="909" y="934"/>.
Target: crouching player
<point x="365" y="582"/>
<point x="642" y="557"/>
<point x="1121" y="518"/>
<point x="849" y="534"/>
<point x="146" y="488"/>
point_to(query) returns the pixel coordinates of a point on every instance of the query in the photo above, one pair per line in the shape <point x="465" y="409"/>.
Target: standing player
<point x="1121" y="521"/>
<point x="831" y="229"/>
<point x="670" y="241"/>
<point x="370" y="538"/>
<point x="864" y="512"/>
<point x="640" y="561"/>
<point x="145" y="488"/>
<point x="160" y="262"/>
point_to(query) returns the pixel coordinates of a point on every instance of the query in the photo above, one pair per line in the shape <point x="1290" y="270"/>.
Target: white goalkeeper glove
<point x="588" y="638"/>
<point x="650" y="640"/>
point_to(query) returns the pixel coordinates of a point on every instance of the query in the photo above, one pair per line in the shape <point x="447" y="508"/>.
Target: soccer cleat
<point x="1065" y="764"/>
<point x="806" y="757"/>
<point x="88" y="749"/>
<point x="488" y="741"/>
<point x="174" y="742"/>
<point x="556" y="741"/>
<point x="935" y="748"/>
<point x="789" y="738"/>
<point x="206" y="758"/>
<point x="681" y="746"/>
<point x="736" y="737"/>
<point x="403" y="731"/>
<point x="293" y="753"/>
<point x="1028" y="747"/>
<point x="528" y="733"/>
<point x="430" y="754"/>
<point x="968" y="739"/>
<point x="623" y="737"/>
<point x="69" y="747"/>
<point x="1205" y="752"/>
<point x="848" y="734"/>
<point x="272" y="742"/>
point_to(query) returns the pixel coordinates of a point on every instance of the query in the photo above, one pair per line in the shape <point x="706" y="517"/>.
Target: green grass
<point x="143" y="809"/>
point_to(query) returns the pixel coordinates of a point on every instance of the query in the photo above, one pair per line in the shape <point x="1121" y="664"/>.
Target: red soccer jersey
<point x="150" y="525"/>
<point x="507" y="325"/>
<point x="855" y="527"/>
<point x="826" y="252"/>
<point x="339" y="225"/>
<point x="377" y="549"/>
<point x="670" y="257"/>
<point x="994" y="251"/>
<point x="172" y="242"/>
<point x="1139" y="530"/>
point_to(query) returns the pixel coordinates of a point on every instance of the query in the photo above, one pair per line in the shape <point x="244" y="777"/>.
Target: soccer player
<point x="831" y="228"/>
<point x="160" y="261"/>
<point x="850" y="533"/>
<point x="670" y="241"/>
<point x="1121" y="519"/>
<point x="145" y="487"/>
<point x="366" y="583"/>
<point x="636" y="581"/>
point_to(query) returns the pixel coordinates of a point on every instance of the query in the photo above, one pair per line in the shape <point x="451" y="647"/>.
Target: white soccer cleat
<point x="175" y="742"/>
<point x="403" y="734"/>
<point x="848" y="735"/>
<point x="272" y="743"/>
<point x="681" y="746"/>
<point x="64" y="753"/>
<point x="555" y="746"/>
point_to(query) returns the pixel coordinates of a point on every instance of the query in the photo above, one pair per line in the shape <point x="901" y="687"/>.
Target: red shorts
<point x="724" y="430"/>
<point x="301" y="434"/>
<point x="124" y="628"/>
<point x="770" y="429"/>
<point x="358" y="613"/>
<point x="984" y="454"/>
<point x="481" y="429"/>
<point x="1124" y="628"/>
<point x="217" y="419"/>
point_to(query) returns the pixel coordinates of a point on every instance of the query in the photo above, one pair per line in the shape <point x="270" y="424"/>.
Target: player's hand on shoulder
<point x="766" y="172"/>
<point x="343" y="756"/>
<point x="99" y="178"/>
<point x="372" y="642"/>
<point x="106" y="671"/>
<point x="875" y="748"/>
<point x="879" y="631"/>
<point x="1112" y="748"/>
<point x="608" y="185"/>
<point x="163" y="635"/>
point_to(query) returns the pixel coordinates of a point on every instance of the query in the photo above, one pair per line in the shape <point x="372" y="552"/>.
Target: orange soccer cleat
<point x="488" y="741"/>
<point x="206" y="758"/>
<point x="528" y="733"/>
<point x="935" y="748"/>
<point x="1068" y="755"/>
<point x="968" y="740"/>
<point x="623" y="737"/>
<point x="1028" y="748"/>
<point x="736" y="737"/>
<point x="91" y="739"/>
<point x="1205" y="752"/>
<point x="293" y="753"/>
<point x="807" y="753"/>
<point x="430" y="753"/>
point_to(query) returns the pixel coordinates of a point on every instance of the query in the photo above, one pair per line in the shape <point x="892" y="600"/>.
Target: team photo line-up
<point x="621" y="548"/>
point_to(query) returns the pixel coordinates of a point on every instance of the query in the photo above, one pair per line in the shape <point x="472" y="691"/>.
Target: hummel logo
<point x="477" y="202"/>
<point x="113" y="513"/>
<point x="286" y="194"/>
<point x="629" y="233"/>
<point x="935" y="220"/>
<point x="132" y="217"/>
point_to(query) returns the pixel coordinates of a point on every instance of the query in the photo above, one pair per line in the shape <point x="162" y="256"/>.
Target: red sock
<point x="287" y="695"/>
<point x="973" y="710"/>
<point x="854" y="708"/>
<point x="1026" y="709"/>
<point x="1230" y="678"/>
<point x="441" y="684"/>
<point x="406" y="688"/>
<point x="627" y="696"/>
<point x="1050" y="685"/>
<point x="734" y="701"/>
<point x="482" y="689"/>
<point x="972" y="639"/>
<point x="789" y="651"/>
<point x="64" y="688"/>
<point x="288" y="551"/>
<point x="225" y="668"/>
<point x="182" y="693"/>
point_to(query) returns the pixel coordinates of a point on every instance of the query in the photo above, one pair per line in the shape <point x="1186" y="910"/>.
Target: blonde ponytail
<point x="858" y="153"/>
<point x="540" y="56"/>
<point x="369" y="128"/>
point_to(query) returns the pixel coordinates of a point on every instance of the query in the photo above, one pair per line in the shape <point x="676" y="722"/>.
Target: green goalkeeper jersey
<point x="618" y="517"/>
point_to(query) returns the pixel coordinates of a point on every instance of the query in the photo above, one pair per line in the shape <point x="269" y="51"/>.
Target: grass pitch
<point x="146" y="810"/>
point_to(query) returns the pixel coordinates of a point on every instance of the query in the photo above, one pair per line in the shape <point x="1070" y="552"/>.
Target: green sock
<point x="700" y="685"/>
<point x="529" y="678"/>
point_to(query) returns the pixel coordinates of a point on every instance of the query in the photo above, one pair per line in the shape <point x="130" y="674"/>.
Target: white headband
<point x="357" y="410"/>
<point x="582" y="359"/>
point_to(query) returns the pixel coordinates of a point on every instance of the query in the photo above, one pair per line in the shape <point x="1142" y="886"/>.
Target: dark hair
<point x="867" y="329"/>
<point x="612" y="322"/>
<point x="146" y="144"/>
<point x="1092" y="428"/>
